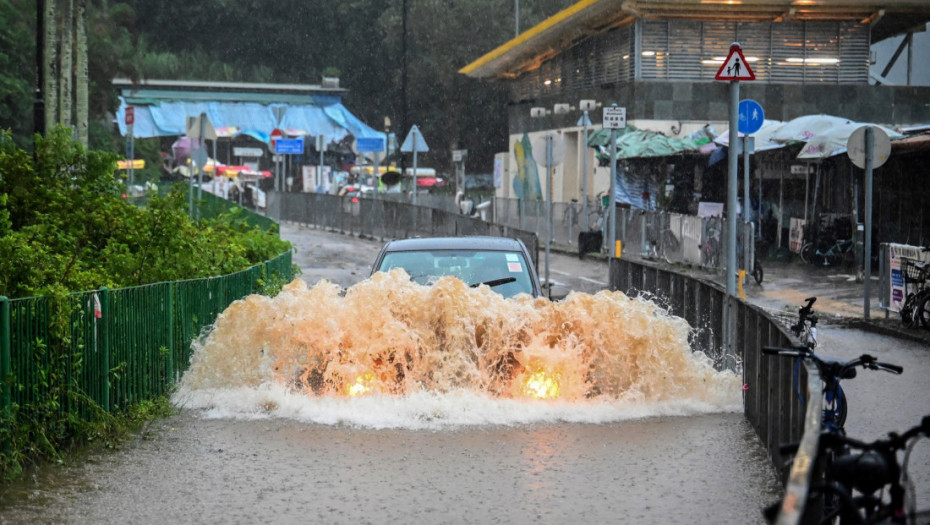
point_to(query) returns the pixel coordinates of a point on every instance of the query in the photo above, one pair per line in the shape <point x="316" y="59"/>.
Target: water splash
<point x="390" y="352"/>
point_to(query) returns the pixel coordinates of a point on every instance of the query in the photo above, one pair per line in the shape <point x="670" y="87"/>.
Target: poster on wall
<point x="309" y="174"/>
<point x="796" y="234"/>
<point x="898" y="257"/>
<point x="498" y="171"/>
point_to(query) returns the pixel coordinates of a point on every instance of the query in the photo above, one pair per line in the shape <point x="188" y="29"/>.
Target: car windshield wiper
<point x="495" y="282"/>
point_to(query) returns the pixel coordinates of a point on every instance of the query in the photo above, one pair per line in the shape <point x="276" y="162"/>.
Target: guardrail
<point x="769" y="402"/>
<point x="112" y="348"/>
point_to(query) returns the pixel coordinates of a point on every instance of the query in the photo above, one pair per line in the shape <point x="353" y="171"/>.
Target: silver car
<point x="503" y="264"/>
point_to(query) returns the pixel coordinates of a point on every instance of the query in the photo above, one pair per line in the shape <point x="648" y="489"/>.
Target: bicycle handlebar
<point x="834" y="368"/>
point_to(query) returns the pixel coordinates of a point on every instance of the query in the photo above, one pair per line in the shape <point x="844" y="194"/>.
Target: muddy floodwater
<point x="197" y="469"/>
<point x="383" y="401"/>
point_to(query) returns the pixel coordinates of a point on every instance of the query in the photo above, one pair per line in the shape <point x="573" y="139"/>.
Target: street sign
<point x="193" y="128"/>
<point x="558" y="148"/>
<point x="414" y="141"/>
<point x="289" y="146"/>
<point x="130" y="117"/>
<point x="371" y="144"/>
<point x="248" y="152"/>
<point x="200" y="157"/>
<point x="614" y="117"/>
<point x="458" y="155"/>
<point x="735" y="67"/>
<point x="751" y="117"/>
<point x="881" y="147"/>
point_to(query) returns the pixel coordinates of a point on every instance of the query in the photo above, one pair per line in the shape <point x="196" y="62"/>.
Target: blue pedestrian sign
<point x="751" y="117"/>
<point x="375" y="144"/>
<point x="289" y="146"/>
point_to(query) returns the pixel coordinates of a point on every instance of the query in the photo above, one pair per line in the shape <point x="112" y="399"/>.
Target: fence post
<point x="105" y="347"/>
<point x="5" y="360"/>
<point x="170" y="334"/>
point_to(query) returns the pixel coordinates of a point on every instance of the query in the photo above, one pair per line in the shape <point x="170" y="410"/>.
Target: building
<point x="658" y="59"/>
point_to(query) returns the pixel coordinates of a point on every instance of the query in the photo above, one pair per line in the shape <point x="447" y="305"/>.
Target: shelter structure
<point x="244" y="116"/>
<point x="658" y="59"/>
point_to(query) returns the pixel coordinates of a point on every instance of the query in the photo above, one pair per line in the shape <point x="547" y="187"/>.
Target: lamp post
<point x="539" y="113"/>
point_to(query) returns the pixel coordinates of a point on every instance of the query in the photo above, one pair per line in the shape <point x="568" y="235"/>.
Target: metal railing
<point x="386" y="219"/>
<point x="113" y="348"/>
<point x="769" y="400"/>
<point x="674" y="237"/>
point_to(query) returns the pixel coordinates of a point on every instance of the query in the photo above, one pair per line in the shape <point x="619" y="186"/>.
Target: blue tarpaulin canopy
<point x="168" y="118"/>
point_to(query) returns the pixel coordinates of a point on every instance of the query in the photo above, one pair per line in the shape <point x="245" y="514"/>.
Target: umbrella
<point x="833" y="140"/>
<point x="805" y="128"/>
<point x="763" y="137"/>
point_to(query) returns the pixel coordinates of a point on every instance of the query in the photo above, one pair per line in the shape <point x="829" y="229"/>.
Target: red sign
<point x="735" y="67"/>
<point x="275" y="135"/>
<point x="130" y="115"/>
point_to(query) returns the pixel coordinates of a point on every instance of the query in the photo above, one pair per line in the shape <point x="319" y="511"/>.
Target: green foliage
<point x="65" y="226"/>
<point x="16" y="69"/>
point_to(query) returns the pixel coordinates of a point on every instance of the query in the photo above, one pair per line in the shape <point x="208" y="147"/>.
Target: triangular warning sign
<point x="735" y="67"/>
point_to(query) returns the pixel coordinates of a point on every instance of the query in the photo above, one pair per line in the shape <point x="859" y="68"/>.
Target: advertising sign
<point x="896" y="254"/>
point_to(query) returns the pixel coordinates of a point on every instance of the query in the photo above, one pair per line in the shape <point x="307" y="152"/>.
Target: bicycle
<point x="841" y="251"/>
<point x="916" y="308"/>
<point x="711" y="242"/>
<point x="856" y="482"/>
<point x="806" y="327"/>
<point x="832" y="372"/>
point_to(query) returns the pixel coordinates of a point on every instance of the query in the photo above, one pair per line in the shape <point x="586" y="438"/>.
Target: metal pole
<point x="5" y="356"/>
<point x="732" y="182"/>
<point x="584" y="173"/>
<point x="747" y="146"/>
<point x="867" y="256"/>
<point x="203" y="117"/>
<point x="322" y="144"/>
<point x="414" y="167"/>
<point x="548" y="205"/>
<point x="612" y="209"/>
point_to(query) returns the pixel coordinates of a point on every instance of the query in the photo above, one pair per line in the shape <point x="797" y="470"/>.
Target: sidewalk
<point x="785" y="286"/>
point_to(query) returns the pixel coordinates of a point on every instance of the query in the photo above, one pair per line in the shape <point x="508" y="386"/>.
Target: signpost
<point x="198" y="129"/>
<point x="614" y="118"/>
<point x="276" y="134"/>
<point x="414" y="143"/>
<point x="868" y="147"/>
<point x="130" y="119"/>
<point x="733" y="69"/>
<point x="554" y="147"/>
<point x="374" y="145"/>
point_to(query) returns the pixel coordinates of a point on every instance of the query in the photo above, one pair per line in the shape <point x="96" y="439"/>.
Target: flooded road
<point x="242" y="453"/>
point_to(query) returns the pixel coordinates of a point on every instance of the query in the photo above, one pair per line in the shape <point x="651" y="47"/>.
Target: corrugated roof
<point x="589" y="17"/>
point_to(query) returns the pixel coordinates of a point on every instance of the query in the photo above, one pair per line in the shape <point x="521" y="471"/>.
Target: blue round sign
<point x="751" y="117"/>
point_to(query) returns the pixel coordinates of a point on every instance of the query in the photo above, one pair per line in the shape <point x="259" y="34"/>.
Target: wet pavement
<point x="710" y="468"/>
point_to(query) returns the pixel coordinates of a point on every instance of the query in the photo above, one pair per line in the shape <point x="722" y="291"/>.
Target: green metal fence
<point x="114" y="347"/>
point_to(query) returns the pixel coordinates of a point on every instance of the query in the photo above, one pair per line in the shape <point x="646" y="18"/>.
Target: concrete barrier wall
<point x="771" y="404"/>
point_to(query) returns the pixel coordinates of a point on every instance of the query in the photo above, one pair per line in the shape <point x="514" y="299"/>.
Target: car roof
<point x="475" y="242"/>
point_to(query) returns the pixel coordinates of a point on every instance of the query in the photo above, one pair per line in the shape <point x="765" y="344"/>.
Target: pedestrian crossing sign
<point x="735" y="66"/>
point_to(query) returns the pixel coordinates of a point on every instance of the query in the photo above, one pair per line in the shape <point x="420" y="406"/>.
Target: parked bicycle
<point x="712" y="242"/>
<point x="871" y="485"/>
<point x="832" y="372"/>
<point x="806" y="327"/>
<point x="822" y="254"/>
<point x="916" y="309"/>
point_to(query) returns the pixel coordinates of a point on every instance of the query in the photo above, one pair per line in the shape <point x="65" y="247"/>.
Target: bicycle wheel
<point x="841" y="410"/>
<point x="757" y="272"/>
<point x="909" y="311"/>
<point x="807" y="252"/>
<point x="922" y="314"/>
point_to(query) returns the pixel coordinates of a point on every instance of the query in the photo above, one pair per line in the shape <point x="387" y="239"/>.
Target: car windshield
<point x="471" y="266"/>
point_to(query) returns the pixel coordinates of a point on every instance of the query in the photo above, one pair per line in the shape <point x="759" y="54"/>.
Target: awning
<point x="166" y="119"/>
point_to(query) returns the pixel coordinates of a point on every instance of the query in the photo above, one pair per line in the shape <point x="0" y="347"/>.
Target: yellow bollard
<point x="617" y="249"/>
<point x="742" y="277"/>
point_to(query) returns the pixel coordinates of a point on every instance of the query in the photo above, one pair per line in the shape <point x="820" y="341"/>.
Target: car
<point x="503" y="264"/>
